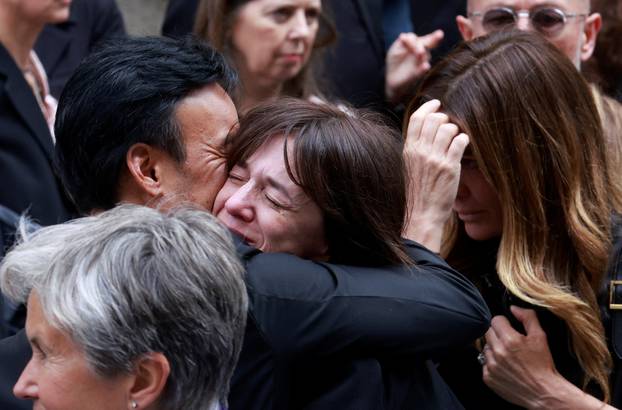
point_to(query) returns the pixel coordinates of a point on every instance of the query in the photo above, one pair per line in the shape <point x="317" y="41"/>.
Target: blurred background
<point x="143" y="17"/>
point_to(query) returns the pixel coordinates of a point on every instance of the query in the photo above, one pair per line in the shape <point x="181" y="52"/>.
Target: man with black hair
<point x="144" y="121"/>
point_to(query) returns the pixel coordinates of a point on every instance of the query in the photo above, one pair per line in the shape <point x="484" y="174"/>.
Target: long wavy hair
<point x="214" y="23"/>
<point x="537" y="139"/>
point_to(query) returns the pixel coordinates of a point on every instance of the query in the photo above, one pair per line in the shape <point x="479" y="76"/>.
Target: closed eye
<point x="275" y="203"/>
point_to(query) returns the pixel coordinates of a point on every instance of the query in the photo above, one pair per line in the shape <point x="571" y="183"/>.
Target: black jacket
<point x="464" y="374"/>
<point x="339" y="337"/>
<point x="28" y="181"/>
<point x="61" y="47"/>
<point x="324" y="336"/>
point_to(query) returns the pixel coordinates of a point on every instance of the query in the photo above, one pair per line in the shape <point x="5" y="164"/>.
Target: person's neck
<point x="17" y="36"/>
<point x="255" y="91"/>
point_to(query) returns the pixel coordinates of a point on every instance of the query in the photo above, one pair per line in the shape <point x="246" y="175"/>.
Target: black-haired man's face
<point x="205" y="118"/>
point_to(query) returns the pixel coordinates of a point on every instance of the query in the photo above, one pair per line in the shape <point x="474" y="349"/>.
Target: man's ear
<point x="593" y="24"/>
<point x="151" y="374"/>
<point x="465" y="26"/>
<point x="143" y="165"/>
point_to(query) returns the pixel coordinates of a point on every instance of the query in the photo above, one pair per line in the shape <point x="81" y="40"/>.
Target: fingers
<point x="457" y="147"/>
<point x="432" y="125"/>
<point x="417" y="47"/>
<point x="415" y="124"/>
<point x="528" y="318"/>
<point x="492" y="340"/>
<point x="432" y="40"/>
<point x="434" y="129"/>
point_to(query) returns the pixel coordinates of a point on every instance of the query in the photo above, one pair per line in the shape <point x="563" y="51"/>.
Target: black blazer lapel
<point x="20" y="94"/>
<point x="52" y="44"/>
<point x="371" y="14"/>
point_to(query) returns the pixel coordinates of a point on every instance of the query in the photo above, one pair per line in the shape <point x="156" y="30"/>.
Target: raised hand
<point x="432" y="152"/>
<point x="407" y="60"/>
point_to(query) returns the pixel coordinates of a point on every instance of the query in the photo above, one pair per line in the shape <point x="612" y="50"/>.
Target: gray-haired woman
<point x="129" y="309"/>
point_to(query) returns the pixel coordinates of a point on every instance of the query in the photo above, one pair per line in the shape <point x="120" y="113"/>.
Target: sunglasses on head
<point x="546" y="20"/>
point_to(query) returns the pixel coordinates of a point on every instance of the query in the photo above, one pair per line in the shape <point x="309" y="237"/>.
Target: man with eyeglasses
<point x="568" y="24"/>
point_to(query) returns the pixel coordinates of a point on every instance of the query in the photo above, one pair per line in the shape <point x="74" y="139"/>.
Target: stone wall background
<point x="143" y="17"/>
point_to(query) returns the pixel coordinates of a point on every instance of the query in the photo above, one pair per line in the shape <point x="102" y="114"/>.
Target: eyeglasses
<point x="548" y="21"/>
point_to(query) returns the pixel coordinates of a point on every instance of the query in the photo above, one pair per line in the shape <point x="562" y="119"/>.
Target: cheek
<point x="222" y="197"/>
<point x="256" y="44"/>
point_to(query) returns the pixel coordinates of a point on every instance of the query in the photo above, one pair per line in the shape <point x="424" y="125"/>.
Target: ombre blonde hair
<point x="537" y="139"/>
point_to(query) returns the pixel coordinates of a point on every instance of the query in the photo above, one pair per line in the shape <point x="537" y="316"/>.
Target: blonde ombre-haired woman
<point x="533" y="221"/>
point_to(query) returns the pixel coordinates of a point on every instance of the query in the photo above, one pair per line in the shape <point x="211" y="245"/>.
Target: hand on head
<point x="432" y="152"/>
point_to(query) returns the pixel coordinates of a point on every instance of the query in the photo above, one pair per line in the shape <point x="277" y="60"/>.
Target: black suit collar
<point x="20" y="94"/>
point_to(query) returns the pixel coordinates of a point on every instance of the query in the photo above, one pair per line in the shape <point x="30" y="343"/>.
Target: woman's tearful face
<point x="262" y="204"/>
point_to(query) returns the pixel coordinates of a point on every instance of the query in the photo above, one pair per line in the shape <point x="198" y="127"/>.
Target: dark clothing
<point x="317" y="330"/>
<point x="464" y="374"/>
<point x="12" y="317"/>
<point x="14" y="355"/>
<point x="179" y="17"/>
<point x="61" y="47"/>
<point x="355" y="66"/>
<point x="26" y="148"/>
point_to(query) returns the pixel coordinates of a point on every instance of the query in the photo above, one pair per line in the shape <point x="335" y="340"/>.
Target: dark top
<point x="28" y="181"/>
<point x="464" y="374"/>
<point x="12" y="317"/>
<point x="328" y="336"/>
<point x="179" y="17"/>
<point x="324" y="336"/>
<point x="61" y="47"/>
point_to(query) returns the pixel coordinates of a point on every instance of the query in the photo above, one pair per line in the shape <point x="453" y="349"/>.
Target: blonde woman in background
<point x="271" y="43"/>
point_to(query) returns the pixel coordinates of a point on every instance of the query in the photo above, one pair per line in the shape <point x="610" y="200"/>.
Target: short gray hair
<point x="134" y="280"/>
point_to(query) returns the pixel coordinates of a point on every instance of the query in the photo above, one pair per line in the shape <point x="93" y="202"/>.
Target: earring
<point x="134" y="404"/>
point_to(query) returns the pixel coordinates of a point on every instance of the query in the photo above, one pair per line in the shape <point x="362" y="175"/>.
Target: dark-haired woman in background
<point x="329" y="185"/>
<point x="271" y="43"/>
<point x="532" y="223"/>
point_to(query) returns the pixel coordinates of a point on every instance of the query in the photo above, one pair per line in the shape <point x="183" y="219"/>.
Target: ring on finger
<point x="481" y="359"/>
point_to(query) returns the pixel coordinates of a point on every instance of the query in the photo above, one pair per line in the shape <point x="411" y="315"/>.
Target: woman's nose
<point x="300" y="28"/>
<point x="463" y="190"/>
<point x="26" y="387"/>
<point x="240" y="204"/>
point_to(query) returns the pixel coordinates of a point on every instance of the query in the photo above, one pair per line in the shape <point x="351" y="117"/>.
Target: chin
<point x="60" y="16"/>
<point x="479" y="232"/>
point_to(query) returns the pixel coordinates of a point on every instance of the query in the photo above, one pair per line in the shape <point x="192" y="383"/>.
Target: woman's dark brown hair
<point x="349" y="162"/>
<point x="535" y="133"/>
<point x="214" y="22"/>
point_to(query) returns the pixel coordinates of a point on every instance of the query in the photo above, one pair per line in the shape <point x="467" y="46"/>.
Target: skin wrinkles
<point x="262" y="204"/>
<point x="57" y="366"/>
<point x="205" y="118"/>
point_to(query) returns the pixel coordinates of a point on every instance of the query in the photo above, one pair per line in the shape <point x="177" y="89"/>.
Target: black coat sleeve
<point x="305" y="307"/>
